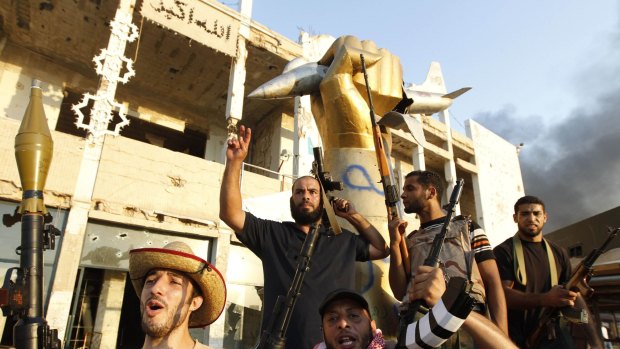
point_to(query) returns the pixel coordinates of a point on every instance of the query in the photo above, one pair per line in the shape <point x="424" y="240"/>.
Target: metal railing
<point x="280" y="176"/>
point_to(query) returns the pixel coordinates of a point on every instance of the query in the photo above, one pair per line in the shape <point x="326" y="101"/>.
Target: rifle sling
<point x="519" y="262"/>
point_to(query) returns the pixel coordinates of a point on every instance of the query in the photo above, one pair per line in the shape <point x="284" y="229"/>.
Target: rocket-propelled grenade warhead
<point x="33" y="151"/>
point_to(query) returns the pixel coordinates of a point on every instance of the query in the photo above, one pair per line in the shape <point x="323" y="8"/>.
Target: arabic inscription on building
<point x="199" y="20"/>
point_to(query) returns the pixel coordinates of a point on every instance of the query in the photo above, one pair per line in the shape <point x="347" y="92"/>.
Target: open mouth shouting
<point x="154" y="306"/>
<point x="346" y="341"/>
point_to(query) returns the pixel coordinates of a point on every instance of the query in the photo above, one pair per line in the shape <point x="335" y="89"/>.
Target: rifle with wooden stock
<point x="578" y="282"/>
<point x="390" y="189"/>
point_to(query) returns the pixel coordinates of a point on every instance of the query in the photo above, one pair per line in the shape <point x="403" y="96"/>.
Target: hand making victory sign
<point x="238" y="145"/>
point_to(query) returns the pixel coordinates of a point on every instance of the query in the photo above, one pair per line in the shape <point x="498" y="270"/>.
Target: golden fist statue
<point x="341" y="106"/>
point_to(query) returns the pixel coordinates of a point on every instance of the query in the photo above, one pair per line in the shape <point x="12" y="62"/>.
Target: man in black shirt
<point x="531" y="275"/>
<point x="278" y="245"/>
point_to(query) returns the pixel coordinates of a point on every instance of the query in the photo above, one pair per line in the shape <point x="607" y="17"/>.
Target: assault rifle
<point x="274" y="335"/>
<point x="578" y="282"/>
<point x="390" y="189"/>
<point x="407" y="316"/>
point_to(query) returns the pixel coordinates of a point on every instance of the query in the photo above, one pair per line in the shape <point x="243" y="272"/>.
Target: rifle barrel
<point x="372" y="108"/>
<point x="432" y="260"/>
<point x="389" y="189"/>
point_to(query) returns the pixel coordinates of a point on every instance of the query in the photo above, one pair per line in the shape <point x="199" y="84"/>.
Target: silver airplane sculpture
<point x="430" y="97"/>
<point x="302" y="78"/>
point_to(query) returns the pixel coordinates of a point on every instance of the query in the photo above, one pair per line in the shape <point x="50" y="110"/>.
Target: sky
<point x="543" y="73"/>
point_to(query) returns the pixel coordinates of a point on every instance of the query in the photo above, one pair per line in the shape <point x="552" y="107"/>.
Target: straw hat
<point x="180" y="257"/>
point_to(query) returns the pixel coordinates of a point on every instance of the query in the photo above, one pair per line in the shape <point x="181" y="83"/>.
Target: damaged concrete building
<point x="178" y="73"/>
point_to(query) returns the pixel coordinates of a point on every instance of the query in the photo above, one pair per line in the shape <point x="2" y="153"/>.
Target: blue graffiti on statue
<point x="368" y="186"/>
<point x="371" y="278"/>
<point x="368" y="284"/>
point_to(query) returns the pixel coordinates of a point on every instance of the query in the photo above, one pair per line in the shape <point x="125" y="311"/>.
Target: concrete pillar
<point x="417" y="158"/>
<point x="109" y="310"/>
<point x="298" y="111"/>
<point x="73" y="239"/>
<point x="71" y="250"/>
<point x="305" y="132"/>
<point x="236" y="83"/>
<point x="221" y="252"/>
<point x="449" y="166"/>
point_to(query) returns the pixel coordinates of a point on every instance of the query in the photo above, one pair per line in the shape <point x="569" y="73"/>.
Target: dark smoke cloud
<point x="573" y="165"/>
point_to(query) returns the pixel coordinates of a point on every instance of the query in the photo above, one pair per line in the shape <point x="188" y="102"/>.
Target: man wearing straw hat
<point x="177" y="290"/>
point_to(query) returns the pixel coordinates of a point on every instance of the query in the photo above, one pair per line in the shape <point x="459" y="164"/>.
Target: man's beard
<point x="409" y="209"/>
<point x="305" y="218"/>
<point x="412" y="207"/>
<point x="365" y="340"/>
<point x="530" y="233"/>
<point x="173" y="320"/>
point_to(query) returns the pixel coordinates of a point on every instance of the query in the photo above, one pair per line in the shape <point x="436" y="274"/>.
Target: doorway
<point x="84" y="310"/>
<point x="130" y="333"/>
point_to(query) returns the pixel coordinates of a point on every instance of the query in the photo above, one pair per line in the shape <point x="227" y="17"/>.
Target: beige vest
<point x="456" y="257"/>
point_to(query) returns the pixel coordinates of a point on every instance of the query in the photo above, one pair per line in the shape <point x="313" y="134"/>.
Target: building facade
<point x="105" y="62"/>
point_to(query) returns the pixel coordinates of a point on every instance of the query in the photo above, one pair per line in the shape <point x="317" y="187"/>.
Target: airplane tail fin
<point x="454" y="94"/>
<point x="435" y="83"/>
<point x="434" y="79"/>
